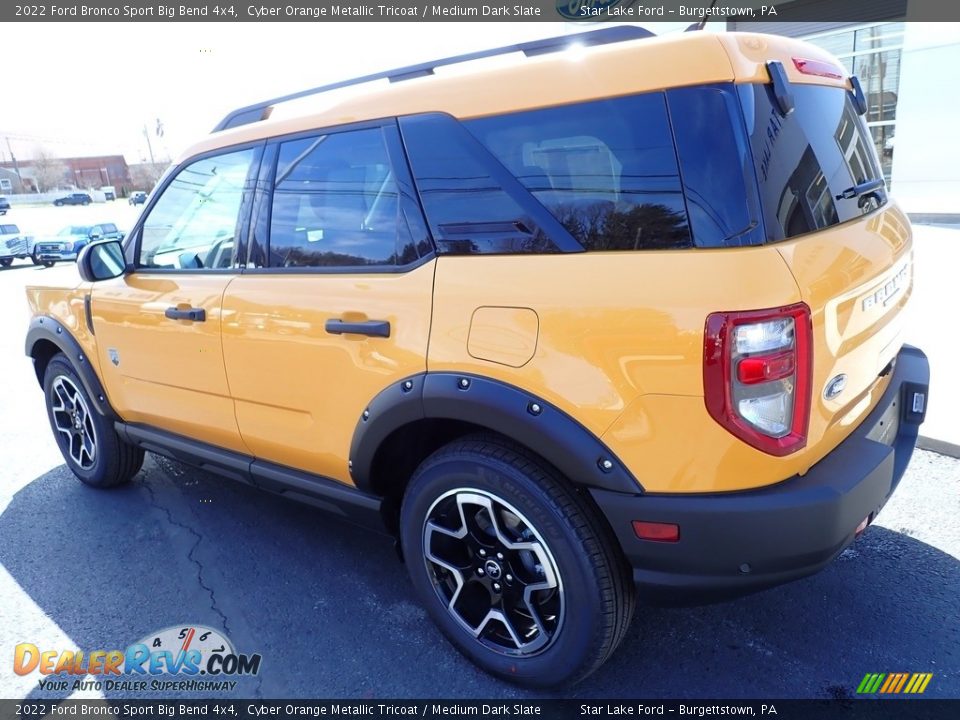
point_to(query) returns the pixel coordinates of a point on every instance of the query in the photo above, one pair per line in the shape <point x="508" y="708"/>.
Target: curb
<point x="938" y="446"/>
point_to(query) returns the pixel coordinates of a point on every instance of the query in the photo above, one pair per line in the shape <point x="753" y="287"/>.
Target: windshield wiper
<point x="860" y="189"/>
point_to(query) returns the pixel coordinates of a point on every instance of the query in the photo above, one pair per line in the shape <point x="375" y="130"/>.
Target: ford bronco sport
<point x="571" y="330"/>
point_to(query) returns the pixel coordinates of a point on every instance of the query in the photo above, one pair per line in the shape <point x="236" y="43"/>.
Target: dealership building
<point x="906" y="69"/>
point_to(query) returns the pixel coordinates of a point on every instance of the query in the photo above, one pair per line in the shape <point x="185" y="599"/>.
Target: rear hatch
<point x="848" y="246"/>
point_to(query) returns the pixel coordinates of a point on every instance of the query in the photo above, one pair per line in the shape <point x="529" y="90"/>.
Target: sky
<point x="91" y="88"/>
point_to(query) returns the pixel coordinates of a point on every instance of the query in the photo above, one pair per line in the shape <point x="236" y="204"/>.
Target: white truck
<point x="14" y="245"/>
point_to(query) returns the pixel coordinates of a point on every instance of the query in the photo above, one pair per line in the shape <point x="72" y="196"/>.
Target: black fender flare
<point x="44" y="327"/>
<point x="515" y="413"/>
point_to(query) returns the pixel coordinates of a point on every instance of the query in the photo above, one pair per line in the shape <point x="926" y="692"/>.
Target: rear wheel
<point x="58" y="203"/>
<point x="88" y="441"/>
<point x="6" y="262"/>
<point x="517" y="569"/>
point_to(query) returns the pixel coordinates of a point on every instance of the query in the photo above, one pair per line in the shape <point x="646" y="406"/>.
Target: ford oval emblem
<point x="583" y="9"/>
<point x="835" y="387"/>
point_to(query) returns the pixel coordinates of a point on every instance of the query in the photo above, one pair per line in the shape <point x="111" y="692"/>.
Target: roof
<point x="610" y="70"/>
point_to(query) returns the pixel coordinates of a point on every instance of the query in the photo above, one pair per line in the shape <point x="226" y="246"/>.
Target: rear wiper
<point x="860" y="189"/>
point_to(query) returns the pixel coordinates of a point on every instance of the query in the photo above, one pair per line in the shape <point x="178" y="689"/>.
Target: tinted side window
<point x="473" y="203"/>
<point x="716" y="165"/>
<point x="193" y="224"/>
<point x="607" y="170"/>
<point x="336" y="204"/>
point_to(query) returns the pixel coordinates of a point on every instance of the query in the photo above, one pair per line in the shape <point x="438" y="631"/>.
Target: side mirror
<point x="101" y="261"/>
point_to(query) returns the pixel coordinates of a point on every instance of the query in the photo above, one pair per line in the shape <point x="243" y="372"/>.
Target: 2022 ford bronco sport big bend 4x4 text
<point x="568" y="329"/>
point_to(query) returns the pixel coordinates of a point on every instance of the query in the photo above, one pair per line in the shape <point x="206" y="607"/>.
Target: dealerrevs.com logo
<point x="199" y="657"/>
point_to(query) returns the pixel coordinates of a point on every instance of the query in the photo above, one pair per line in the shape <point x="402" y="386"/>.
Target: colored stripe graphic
<point x="894" y="683"/>
<point x="903" y="680"/>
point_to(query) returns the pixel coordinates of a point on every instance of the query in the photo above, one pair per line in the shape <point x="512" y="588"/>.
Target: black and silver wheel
<point x="514" y="566"/>
<point x="88" y="441"/>
<point x="492" y="570"/>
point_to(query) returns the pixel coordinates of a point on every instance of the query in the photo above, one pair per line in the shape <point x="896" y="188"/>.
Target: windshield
<point x="8" y="229"/>
<point x="810" y="162"/>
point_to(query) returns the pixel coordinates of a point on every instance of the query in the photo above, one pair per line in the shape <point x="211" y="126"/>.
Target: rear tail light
<point x="756" y="375"/>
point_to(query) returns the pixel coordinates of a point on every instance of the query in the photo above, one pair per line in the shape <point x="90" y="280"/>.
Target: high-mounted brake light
<point x="818" y="68"/>
<point x="756" y="375"/>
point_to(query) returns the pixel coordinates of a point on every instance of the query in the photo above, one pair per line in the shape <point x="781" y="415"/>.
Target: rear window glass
<point x="607" y="170"/>
<point x="807" y="161"/>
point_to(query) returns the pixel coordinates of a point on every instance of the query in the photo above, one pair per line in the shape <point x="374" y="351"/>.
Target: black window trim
<point x="132" y="242"/>
<point x="263" y="201"/>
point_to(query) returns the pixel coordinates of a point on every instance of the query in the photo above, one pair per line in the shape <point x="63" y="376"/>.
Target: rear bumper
<point x="735" y="543"/>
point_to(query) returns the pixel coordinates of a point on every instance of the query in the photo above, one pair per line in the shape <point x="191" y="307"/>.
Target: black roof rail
<point x="620" y="33"/>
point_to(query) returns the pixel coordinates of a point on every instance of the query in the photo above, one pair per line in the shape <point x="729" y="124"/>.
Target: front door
<point x="158" y="328"/>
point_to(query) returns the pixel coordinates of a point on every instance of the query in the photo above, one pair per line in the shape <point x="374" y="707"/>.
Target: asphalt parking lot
<point x="329" y="608"/>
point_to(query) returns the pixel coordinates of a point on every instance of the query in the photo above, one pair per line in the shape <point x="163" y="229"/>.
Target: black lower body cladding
<point x="735" y="543"/>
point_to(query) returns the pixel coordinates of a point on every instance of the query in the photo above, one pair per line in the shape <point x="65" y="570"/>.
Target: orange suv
<point x="571" y="329"/>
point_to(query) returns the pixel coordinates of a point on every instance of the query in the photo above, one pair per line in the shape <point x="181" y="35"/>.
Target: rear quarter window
<point x="606" y="170"/>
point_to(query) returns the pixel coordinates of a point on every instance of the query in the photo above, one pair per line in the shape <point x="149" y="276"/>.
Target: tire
<point x="35" y="260"/>
<point x="547" y="538"/>
<point x="6" y="262"/>
<point x="88" y="441"/>
<point x="57" y="203"/>
<point x="48" y="263"/>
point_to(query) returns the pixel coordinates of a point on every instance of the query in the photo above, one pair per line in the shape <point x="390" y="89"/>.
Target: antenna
<point x="706" y="16"/>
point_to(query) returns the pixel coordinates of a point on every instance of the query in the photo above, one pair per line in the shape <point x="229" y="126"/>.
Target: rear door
<point x="334" y="304"/>
<point x="847" y="245"/>
<point x="158" y="328"/>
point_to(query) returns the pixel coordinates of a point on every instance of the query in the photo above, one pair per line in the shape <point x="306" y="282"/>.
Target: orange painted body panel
<point x="170" y="372"/>
<point x="299" y="390"/>
<point x="613" y="326"/>
<point x="62" y="299"/>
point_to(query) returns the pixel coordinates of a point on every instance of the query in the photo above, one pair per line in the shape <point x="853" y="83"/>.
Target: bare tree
<point x="145" y="175"/>
<point x="48" y="170"/>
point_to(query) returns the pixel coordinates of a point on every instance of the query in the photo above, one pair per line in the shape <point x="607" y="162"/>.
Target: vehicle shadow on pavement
<point x="329" y="608"/>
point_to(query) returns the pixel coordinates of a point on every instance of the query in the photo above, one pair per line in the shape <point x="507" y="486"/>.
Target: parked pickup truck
<point x="68" y="243"/>
<point x="14" y="245"/>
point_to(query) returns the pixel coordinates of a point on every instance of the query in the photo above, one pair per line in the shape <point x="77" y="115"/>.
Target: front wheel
<point x="6" y="262"/>
<point x="88" y="441"/>
<point x="519" y="571"/>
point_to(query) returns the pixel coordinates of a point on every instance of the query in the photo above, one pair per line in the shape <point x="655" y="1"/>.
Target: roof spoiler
<point x="621" y="33"/>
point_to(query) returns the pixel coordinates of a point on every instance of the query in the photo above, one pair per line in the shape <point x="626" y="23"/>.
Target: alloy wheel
<point x="73" y="422"/>
<point x="493" y="572"/>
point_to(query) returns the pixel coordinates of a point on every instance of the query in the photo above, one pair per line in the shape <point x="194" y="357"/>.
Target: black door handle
<point x="374" y="328"/>
<point x="191" y="314"/>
